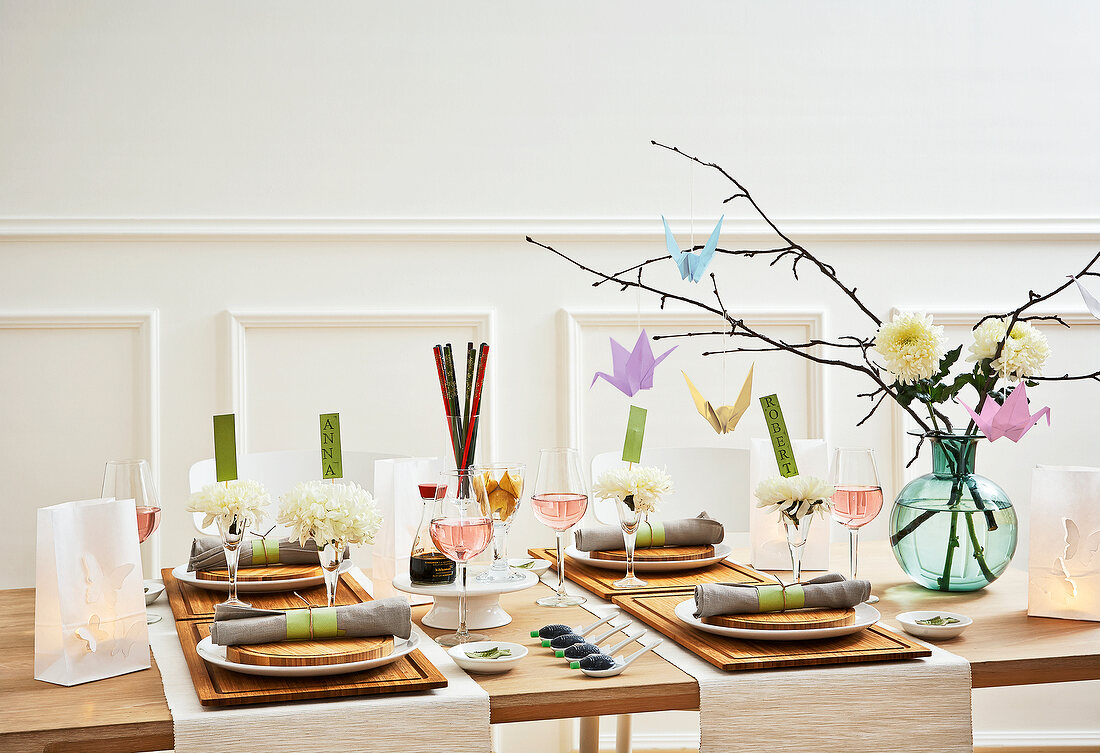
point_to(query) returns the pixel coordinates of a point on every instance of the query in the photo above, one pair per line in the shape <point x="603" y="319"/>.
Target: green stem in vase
<point x="952" y="544"/>
<point x="979" y="551"/>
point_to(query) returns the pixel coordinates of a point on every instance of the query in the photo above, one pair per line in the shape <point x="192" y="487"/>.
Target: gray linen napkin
<point x="207" y="553"/>
<point x="829" y="591"/>
<point x="234" y="626"/>
<point x="699" y="530"/>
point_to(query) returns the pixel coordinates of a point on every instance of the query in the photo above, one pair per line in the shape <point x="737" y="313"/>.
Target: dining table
<point x="127" y="714"/>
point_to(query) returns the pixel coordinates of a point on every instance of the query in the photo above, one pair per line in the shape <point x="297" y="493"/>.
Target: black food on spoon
<point x="594" y="661"/>
<point x="577" y="651"/>
<point x="551" y="631"/>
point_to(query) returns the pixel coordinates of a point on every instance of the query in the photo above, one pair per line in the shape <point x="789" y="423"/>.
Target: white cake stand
<point x="483" y="608"/>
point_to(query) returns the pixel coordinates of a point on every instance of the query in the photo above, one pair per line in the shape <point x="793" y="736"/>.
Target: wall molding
<point x="241" y="321"/>
<point x="515" y="228"/>
<point x="902" y="444"/>
<point x="145" y="321"/>
<point x="572" y="381"/>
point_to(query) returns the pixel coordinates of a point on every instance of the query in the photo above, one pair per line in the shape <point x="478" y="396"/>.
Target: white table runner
<point x="455" y="718"/>
<point x="845" y="708"/>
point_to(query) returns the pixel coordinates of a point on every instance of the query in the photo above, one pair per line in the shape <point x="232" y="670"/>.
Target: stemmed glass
<point x="461" y="529"/>
<point x="559" y="500"/>
<point x="858" y="497"/>
<point x="126" y="479"/>
<point x="503" y="484"/>
<point x="629" y="520"/>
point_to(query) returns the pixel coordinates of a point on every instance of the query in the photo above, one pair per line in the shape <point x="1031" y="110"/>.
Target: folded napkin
<point x="235" y="626"/>
<point x="207" y="553"/>
<point x="829" y="591"/>
<point x="699" y="530"/>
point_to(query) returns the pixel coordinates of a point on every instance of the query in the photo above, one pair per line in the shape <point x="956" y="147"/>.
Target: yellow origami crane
<point x="724" y="418"/>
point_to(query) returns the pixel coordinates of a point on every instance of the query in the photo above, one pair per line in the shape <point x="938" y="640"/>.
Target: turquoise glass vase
<point x="952" y="529"/>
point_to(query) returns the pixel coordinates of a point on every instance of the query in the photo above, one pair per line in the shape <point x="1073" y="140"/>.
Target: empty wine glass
<point x="858" y="497"/>
<point x="503" y="484"/>
<point x="133" y="479"/>
<point x="461" y="529"/>
<point x="559" y="500"/>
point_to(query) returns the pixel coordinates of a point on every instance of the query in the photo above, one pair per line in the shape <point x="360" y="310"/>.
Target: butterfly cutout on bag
<point x="1076" y="557"/>
<point x="104" y="585"/>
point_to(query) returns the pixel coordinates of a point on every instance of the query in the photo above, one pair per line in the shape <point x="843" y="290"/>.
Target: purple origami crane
<point x="633" y="369"/>
<point x="1011" y="419"/>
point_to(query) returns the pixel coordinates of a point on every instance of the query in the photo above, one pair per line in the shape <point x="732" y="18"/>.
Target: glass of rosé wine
<point x="858" y="498"/>
<point x="559" y="500"/>
<point x="461" y="528"/>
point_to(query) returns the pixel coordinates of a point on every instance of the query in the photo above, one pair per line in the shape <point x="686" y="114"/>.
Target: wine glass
<point x="858" y="497"/>
<point x="559" y="500"/>
<point x="461" y="529"/>
<point x="503" y="484"/>
<point x="126" y="479"/>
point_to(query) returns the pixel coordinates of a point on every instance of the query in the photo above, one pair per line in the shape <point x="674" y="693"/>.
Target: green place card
<point x="635" y="430"/>
<point x="332" y="464"/>
<point x="781" y="441"/>
<point x="225" y="447"/>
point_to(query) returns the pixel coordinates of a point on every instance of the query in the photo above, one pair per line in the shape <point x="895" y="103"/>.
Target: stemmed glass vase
<point x="461" y="530"/>
<point x="331" y="555"/>
<point x="232" y="531"/>
<point x="858" y="497"/>
<point x="503" y="483"/>
<point x="630" y="519"/>
<point x="559" y="500"/>
<point x="798" y="529"/>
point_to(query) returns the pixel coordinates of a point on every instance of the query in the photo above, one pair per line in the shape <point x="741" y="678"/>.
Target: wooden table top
<point x="129" y="714"/>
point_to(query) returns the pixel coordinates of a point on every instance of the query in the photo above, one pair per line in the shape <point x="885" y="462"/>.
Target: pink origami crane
<point x="633" y="369"/>
<point x="1011" y="419"/>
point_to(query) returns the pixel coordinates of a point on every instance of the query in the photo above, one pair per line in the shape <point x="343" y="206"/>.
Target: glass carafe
<point x="427" y="565"/>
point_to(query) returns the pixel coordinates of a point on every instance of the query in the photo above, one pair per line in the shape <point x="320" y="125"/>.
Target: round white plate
<point x="866" y="616"/>
<point x="179" y="572"/>
<point x="487" y="666"/>
<point x="216" y="655"/>
<point x="721" y="551"/>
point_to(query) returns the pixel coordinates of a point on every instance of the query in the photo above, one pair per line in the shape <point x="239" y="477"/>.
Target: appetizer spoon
<point x="579" y="631"/>
<point x="621" y="663"/>
<point x="590" y="645"/>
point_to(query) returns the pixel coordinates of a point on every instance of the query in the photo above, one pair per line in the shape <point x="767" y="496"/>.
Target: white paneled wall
<point x="277" y="208"/>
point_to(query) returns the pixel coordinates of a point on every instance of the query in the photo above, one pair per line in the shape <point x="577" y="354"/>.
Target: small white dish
<point x="487" y="666"/>
<point x="910" y="625"/>
<point x="866" y="616"/>
<point x="721" y="551"/>
<point x="153" y="590"/>
<point x="214" y="654"/>
<point x="530" y="564"/>
<point x="179" y="572"/>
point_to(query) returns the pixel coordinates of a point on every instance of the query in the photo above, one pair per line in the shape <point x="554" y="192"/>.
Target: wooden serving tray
<point x="311" y="653"/>
<point x="267" y="572"/>
<point x="220" y="687"/>
<point x="876" y="643"/>
<point x="658" y="554"/>
<point x="190" y="602"/>
<point x="598" y="580"/>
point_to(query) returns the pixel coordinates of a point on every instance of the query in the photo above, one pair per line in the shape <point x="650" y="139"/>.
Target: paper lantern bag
<point x="89" y="610"/>
<point x="1064" y="543"/>
<point x="766" y="531"/>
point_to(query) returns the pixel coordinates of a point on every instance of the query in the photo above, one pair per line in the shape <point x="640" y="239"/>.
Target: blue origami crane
<point x="693" y="265"/>
<point x="633" y="369"/>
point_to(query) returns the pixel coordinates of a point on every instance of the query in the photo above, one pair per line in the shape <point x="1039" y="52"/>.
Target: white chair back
<point x="705" y="478"/>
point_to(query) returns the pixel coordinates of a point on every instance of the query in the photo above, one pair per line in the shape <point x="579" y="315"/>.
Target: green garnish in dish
<point x="492" y="653"/>
<point x="526" y="565"/>
<point x="938" y="620"/>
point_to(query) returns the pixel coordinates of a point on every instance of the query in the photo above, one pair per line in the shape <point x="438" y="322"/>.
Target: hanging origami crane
<point x="1090" y="300"/>
<point x="632" y="369"/>
<point x="692" y="265"/>
<point x="724" y="418"/>
<point x="1011" y="419"/>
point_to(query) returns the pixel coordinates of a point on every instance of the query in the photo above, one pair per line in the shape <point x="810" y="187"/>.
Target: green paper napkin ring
<point x="312" y="623"/>
<point x="781" y="598"/>
<point x="651" y="534"/>
<point x="265" y="552"/>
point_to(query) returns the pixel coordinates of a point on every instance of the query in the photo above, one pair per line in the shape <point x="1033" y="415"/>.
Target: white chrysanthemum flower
<point x="646" y="486"/>
<point x="343" y="513"/>
<point x="244" y="500"/>
<point x="911" y="346"/>
<point x="796" y="497"/>
<point x="1024" y="354"/>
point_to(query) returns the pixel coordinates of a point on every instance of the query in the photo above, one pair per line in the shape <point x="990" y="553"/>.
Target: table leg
<point x="622" y="733"/>
<point x="590" y="735"/>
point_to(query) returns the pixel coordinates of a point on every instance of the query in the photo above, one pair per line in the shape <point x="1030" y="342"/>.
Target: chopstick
<point x="471" y="428"/>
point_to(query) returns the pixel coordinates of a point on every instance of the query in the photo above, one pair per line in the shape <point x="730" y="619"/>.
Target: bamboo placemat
<point x="220" y="687"/>
<point x="598" y="581"/>
<point x="876" y="643"/>
<point x="193" y="603"/>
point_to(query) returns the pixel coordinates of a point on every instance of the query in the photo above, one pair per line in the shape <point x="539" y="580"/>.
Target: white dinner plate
<point x="179" y="572"/>
<point x="866" y="616"/>
<point x="216" y="655"/>
<point x="721" y="551"/>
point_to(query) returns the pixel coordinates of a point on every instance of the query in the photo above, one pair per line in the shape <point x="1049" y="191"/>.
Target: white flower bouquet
<point x="640" y="489"/>
<point x="243" y="501"/>
<point x="795" y="497"/>
<point x="341" y="513"/>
